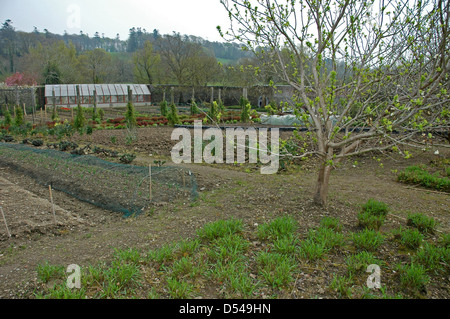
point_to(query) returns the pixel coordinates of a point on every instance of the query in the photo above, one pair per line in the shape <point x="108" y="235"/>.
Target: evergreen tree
<point x="8" y="118"/>
<point x="163" y="106"/>
<point x="79" y="118"/>
<point x="173" y="115"/>
<point x="130" y="115"/>
<point x="19" y="120"/>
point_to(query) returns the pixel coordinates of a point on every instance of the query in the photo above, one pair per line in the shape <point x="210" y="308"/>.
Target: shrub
<point x="245" y="115"/>
<point x="173" y="115"/>
<point x="130" y="116"/>
<point x="8" y="118"/>
<point x="213" y="114"/>
<point x="194" y="108"/>
<point x="19" y="120"/>
<point x="163" y="108"/>
<point x="79" y="119"/>
<point x="423" y="223"/>
<point x="127" y="158"/>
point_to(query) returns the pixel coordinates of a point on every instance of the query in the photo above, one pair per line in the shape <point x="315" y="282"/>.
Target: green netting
<point x="116" y="187"/>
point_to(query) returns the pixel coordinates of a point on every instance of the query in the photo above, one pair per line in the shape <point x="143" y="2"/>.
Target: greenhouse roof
<point x="88" y="89"/>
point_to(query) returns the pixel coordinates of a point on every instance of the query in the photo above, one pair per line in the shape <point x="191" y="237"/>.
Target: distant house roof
<point x="88" y="89"/>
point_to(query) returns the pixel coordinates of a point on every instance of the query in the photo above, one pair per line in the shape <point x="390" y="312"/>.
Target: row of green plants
<point x="86" y="119"/>
<point x="420" y="175"/>
<point x="225" y="257"/>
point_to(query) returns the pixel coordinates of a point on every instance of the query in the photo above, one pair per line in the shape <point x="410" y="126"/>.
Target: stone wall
<point x="258" y="96"/>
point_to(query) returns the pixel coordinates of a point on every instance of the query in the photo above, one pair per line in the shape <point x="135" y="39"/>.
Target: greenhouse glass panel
<point x="71" y="90"/>
<point x="84" y="91"/>
<point x="72" y="100"/>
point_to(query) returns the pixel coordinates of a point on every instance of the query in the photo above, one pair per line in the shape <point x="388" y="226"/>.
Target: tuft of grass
<point x="46" y="271"/>
<point x="179" y="289"/>
<point x="127" y="255"/>
<point x="375" y="207"/>
<point x="369" y="240"/>
<point x="433" y="258"/>
<point x="423" y="223"/>
<point x="328" y="237"/>
<point x="413" y="276"/>
<point x="285" y="245"/>
<point x="228" y="248"/>
<point x="360" y="262"/>
<point x="312" y="250"/>
<point x="279" y="227"/>
<point x="163" y="255"/>
<point x="185" y="267"/>
<point x="444" y="240"/>
<point x="331" y="223"/>
<point x="220" y="228"/>
<point x="342" y="285"/>
<point x="277" y="269"/>
<point x="410" y="238"/>
<point x="62" y="292"/>
<point x="188" y="247"/>
<point x="373" y="214"/>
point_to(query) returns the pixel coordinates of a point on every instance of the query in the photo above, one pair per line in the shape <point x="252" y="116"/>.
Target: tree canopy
<point x="368" y="75"/>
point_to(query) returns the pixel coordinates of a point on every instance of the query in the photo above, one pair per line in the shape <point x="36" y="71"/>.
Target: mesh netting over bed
<point x="116" y="187"/>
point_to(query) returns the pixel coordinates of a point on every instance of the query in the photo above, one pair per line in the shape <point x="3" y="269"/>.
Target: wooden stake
<point x="150" y="177"/>
<point x="4" y="219"/>
<point x="51" y="199"/>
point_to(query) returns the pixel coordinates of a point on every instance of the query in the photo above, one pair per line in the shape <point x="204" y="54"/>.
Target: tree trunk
<point x="320" y="197"/>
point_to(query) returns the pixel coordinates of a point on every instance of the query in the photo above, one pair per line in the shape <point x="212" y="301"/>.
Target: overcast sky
<point x="191" y="17"/>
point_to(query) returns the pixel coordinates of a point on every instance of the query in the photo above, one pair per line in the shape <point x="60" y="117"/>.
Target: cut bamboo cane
<point x="6" y="224"/>
<point x="150" y="177"/>
<point x="51" y="200"/>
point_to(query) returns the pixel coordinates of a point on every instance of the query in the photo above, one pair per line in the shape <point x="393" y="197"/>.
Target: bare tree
<point x="187" y="61"/>
<point x="146" y="63"/>
<point x="97" y="64"/>
<point x="368" y="75"/>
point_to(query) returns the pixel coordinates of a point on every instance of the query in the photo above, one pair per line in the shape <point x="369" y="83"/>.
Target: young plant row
<point x="226" y="260"/>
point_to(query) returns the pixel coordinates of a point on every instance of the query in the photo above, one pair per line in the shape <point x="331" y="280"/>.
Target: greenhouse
<point x="108" y="95"/>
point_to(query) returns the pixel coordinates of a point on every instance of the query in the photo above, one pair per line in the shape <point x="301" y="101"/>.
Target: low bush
<point x="418" y="175"/>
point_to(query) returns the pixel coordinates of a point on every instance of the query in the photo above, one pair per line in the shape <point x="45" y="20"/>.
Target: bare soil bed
<point x="85" y="234"/>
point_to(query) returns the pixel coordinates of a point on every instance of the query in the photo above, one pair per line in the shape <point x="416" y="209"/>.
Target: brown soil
<point x="85" y="234"/>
